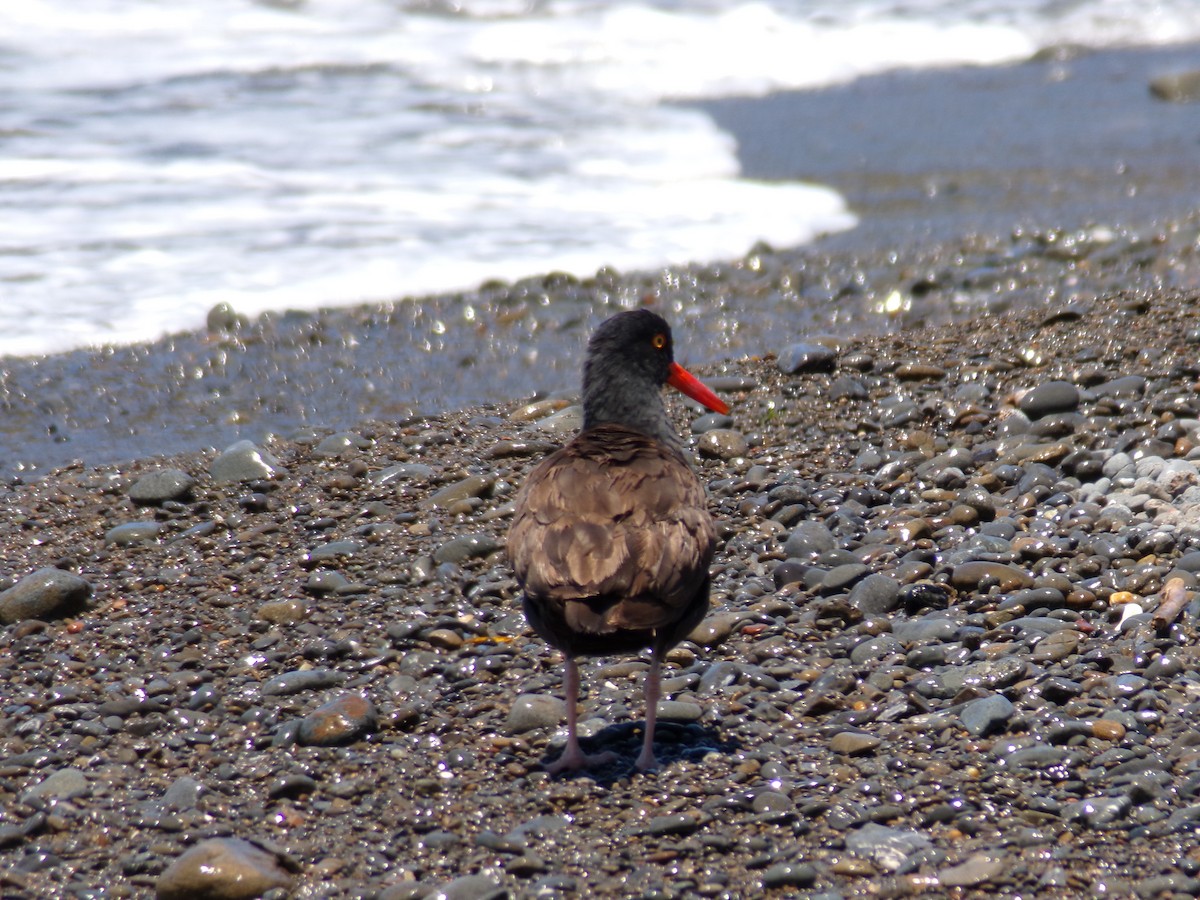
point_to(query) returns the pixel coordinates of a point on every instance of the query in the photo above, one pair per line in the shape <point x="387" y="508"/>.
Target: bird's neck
<point x="648" y="416"/>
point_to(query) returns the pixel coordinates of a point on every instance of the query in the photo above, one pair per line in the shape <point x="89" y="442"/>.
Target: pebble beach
<point x="951" y="649"/>
<point x="258" y="636"/>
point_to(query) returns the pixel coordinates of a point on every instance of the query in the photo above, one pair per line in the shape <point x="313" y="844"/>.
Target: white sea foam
<point x="160" y="158"/>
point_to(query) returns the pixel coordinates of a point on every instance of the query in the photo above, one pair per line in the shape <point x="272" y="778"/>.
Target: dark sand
<point x="1054" y="143"/>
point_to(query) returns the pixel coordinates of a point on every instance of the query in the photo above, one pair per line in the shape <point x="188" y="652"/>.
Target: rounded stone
<point x="161" y="486"/>
<point x="796" y="875"/>
<point x="972" y="574"/>
<point x="223" y="869"/>
<point x="1050" y="397"/>
<point x="244" y="461"/>
<point x="64" y="784"/>
<point x="809" y="540"/>
<point x="876" y="594"/>
<point x="987" y="714"/>
<point x="44" y="594"/>
<point x="343" y="720"/>
<point x="464" y="547"/>
<point x="853" y="743"/>
<point x="722" y="443"/>
<point x="132" y="533"/>
<point x="532" y="711"/>
<point x="467" y="488"/>
<point x="283" y="612"/>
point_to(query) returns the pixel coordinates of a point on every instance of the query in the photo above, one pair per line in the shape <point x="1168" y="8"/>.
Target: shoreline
<point x="937" y="243"/>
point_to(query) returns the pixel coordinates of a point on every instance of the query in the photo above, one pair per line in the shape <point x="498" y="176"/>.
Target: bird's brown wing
<point x="612" y="533"/>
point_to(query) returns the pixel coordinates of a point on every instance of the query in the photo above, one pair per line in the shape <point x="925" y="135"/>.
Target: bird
<point x="611" y="538"/>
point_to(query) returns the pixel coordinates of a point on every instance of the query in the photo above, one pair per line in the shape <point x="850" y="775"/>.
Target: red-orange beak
<point x="683" y="380"/>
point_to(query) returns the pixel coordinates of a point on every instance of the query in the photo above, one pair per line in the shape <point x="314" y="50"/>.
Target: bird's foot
<point x="646" y="761"/>
<point x="575" y="759"/>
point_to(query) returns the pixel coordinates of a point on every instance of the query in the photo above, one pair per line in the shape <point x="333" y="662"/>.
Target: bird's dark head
<point x="637" y="343"/>
<point x="630" y="357"/>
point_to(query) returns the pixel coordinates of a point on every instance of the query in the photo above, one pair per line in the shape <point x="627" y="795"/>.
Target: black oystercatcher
<point x="612" y="538"/>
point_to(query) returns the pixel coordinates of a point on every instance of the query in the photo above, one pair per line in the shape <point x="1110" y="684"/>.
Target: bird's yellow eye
<point x="659" y="341"/>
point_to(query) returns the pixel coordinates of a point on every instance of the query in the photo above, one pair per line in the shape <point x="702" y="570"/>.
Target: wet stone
<point x="809" y="540"/>
<point x="532" y="711"/>
<point x="403" y="472"/>
<point x="223" y="869"/>
<point x="65" y="784"/>
<point x="853" y="743"/>
<point x="46" y="593"/>
<point x="132" y="533"/>
<point x="340" y="444"/>
<point x="888" y="848"/>
<point x="465" y="547"/>
<point x="1050" y="397"/>
<point x="184" y="793"/>
<point x="161" y="486"/>
<point x="783" y="875"/>
<point x="466" y="489"/>
<point x="841" y="577"/>
<point x="987" y="714"/>
<point x="714" y="629"/>
<point x="471" y="887"/>
<point x="1008" y="578"/>
<point x="679" y="711"/>
<point x="976" y="869"/>
<point x="302" y="680"/>
<point x="333" y="550"/>
<point x="710" y="421"/>
<point x="244" y="461"/>
<point x="789" y="572"/>
<point x="722" y="443"/>
<point x="805" y="357"/>
<point x="1057" y="646"/>
<point x="325" y="582"/>
<point x="343" y="720"/>
<point x="563" y="424"/>
<point x="876" y="594"/>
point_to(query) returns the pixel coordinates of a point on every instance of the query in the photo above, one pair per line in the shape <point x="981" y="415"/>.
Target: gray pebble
<point x="679" y="711"/>
<point x="809" y="540"/>
<point x="876" y="594"/>
<point x="563" y="423"/>
<point x="132" y="533"/>
<point x="987" y="714"/>
<point x="887" y="847"/>
<point x="244" y="461"/>
<point x="1050" y="397"/>
<point x="64" y="784"/>
<point x="470" y="887"/>
<point x="467" y="546"/>
<point x="797" y="875"/>
<point x="301" y="680"/>
<point x="161" y="486"/>
<point x="532" y="711"/>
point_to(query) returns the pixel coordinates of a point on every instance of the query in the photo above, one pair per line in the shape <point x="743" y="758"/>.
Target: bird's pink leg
<point x="573" y="757"/>
<point x="653" y="691"/>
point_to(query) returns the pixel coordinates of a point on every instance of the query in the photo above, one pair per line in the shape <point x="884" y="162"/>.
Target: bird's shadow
<point x="673" y="741"/>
